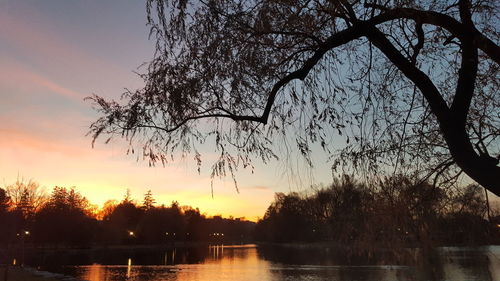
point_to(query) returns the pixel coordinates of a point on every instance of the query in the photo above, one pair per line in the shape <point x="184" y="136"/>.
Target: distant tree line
<point x="393" y="212"/>
<point x="66" y="218"/>
<point x="389" y="213"/>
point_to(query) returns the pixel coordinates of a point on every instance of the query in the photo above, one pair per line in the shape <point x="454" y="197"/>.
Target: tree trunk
<point x="481" y="168"/>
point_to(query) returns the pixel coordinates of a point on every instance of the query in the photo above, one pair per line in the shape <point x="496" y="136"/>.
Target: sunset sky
<point x="53" y="53"/>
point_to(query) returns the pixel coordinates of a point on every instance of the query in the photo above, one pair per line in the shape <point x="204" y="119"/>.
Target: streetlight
<point x="131" y="237"/>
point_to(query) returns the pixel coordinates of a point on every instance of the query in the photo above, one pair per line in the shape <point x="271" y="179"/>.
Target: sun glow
<point x="44" y="119"/>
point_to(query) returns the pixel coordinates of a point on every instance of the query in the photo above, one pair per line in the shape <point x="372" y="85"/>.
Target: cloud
<point x="38" y="41"/>
<point x="261" y="187"/>
<point x="17" y="139"/>
<point x="16" y="76"/>
<point x="42" y="74"/>
<point x="41" y="54"/>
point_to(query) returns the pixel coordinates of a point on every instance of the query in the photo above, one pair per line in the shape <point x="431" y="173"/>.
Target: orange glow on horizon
<point x="104" y="174"/>
<point x="237" y="205"/>
<point x="47" y="67"/>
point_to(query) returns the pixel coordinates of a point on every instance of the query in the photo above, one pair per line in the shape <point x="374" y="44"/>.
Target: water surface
<point x="249" y="262"/>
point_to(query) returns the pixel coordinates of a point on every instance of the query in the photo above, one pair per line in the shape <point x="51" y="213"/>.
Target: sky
<point x="53" y="54"/>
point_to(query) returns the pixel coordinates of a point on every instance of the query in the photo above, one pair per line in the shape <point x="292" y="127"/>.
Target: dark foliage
<point x="64" y="219"/>
<point x="67" y="219"/>
<point x="395" y="212"/>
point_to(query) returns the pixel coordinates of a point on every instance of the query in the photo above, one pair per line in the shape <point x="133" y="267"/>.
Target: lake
<point x="251" y="262"/>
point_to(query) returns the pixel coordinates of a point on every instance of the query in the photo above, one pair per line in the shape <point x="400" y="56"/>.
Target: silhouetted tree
<point x="412" y="84"/>
<point x="148" y="201"/>
<point x="405" y="212"/>
<point x="68" y="219"/>
<point x="394" y="213"/>
<point x="127" y="198"/>
<point x="26" y="197"/>
<point x="465" y="221"/>
<point x="162" y="224"/>
<point x="176" y="221"/>
<point x="288" y="218"/>
<point x="194" y="225"/>
<point x="350" y="203"/>
<point x="107" y="209"/>
<point x="64" y="219"/>
<point x="4" y="201"/>
<point x="7" y="229"/>
<point x="123" y="220"/>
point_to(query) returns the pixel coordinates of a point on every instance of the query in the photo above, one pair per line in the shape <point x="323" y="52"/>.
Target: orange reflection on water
<point x="129" y="267"/>
<point x="222" y="263"/>
<point x="96" y="272"/>
<point x="238" y="264"/>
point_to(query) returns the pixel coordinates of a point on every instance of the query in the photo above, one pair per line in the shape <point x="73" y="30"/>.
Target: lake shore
<point x="18" y="273"/>
<point x="141" y="247"/>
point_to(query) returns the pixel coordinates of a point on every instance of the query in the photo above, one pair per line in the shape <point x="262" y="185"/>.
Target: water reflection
<point x="248" y="262"/>
<point x="129" y="267"/>
<point x="221" y="264"/>
<point x="216" y="250"/>
<point x="95" y="272"/>
<point x="494" y="262"/>
<point x="459" y="262"/>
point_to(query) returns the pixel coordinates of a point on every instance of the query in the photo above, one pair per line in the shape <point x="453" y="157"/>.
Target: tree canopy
<point x="393" y="213"/>
<point x="66" y="217"/>
<point x="408" y="86"/>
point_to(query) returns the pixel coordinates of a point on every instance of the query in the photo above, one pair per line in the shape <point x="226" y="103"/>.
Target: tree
<point x="26" y="197"/>
<point x="4" y="201"/>
<point x="55" y="221"/>
<point x="392" y="213"/>
<point x="107" y="209"/>
<point x="123" y="219"/>
<point x="411" y="85"/>
<point x="128" y="197"/>
<point x="149" y="201"/>
<point x="5" y="217"/>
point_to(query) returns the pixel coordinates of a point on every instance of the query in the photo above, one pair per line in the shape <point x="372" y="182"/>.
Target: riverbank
<point x="8" y="250"/>
<point x="18" y="273"/>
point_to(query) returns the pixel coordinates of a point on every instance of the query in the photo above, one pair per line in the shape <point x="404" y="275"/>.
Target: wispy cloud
<point x="47" y="58"/>
<point x="45" y="72"/>
<point x="17" y="139"/>
<point x="260" y="187"/>
<point x="37" y="41"/>
<point x="17" y="76"/>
